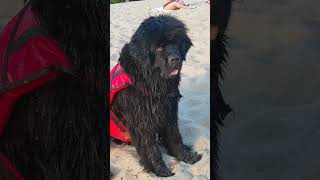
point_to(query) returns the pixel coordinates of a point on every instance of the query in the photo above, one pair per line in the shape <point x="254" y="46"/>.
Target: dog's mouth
<point x="174" y="72"/>
<point x="171" y="74"/>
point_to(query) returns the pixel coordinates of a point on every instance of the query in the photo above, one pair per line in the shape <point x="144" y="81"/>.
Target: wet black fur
<point x="150" y="106"/>
<point x="221" y="11"/>
<point x="58" y="131"/>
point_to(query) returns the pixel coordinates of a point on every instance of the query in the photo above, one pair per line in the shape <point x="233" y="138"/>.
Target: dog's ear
<point x="139" y="50"/>
<point x="178" y="33"/>
<point x="186" y="45"/>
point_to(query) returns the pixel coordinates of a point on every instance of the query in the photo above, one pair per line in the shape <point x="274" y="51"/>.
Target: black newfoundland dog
<point x="149" y="106"/>
<point x="58" y="131"/>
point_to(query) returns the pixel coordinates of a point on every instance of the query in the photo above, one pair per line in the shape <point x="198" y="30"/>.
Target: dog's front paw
<point x="188" y="156"/>
<point x="163" y="171"/>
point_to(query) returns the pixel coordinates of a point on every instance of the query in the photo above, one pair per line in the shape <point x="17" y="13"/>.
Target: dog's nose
<point x="173" y="60"/>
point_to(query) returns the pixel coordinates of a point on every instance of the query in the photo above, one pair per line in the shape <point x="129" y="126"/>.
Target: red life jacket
<point x="29" y="58"/>
<point x="119" y="80"/>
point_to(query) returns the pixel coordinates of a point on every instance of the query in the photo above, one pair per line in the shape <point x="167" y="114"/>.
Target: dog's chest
<point x="163" y="110"/>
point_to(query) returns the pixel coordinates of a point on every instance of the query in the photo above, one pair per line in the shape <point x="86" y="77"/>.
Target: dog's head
<point x="159" y="46"/>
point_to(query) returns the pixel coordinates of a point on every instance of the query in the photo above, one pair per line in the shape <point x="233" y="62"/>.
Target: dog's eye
<point x="159" y="49"/>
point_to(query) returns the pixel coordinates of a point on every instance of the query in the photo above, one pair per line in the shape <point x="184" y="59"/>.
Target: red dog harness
<point x="119" y="80"/>
<point x="29" y="58"/>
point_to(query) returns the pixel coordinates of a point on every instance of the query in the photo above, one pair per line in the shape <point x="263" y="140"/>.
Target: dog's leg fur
<point x="172" y="138"/>
<point x="150" y="154"/>
<point x="61" y="136"/>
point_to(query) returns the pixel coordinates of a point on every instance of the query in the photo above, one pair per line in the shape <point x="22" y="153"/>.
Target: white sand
<point x="194" y="111"/>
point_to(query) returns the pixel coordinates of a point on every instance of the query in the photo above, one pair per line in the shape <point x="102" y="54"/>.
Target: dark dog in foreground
<point x="56" y="130"/>
<point x="149" y="106"/>
<point x="220" y="13"/>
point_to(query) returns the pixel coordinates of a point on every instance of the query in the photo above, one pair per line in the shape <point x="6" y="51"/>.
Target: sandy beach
<point x="194" y="114"/>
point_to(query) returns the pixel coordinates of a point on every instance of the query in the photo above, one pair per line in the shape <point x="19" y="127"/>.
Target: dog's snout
<point x="173" y="60"/>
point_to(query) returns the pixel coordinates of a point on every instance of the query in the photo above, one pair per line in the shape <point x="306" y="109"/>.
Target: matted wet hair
<point x="81" y="28"/>
<point x="64" y="122"/>
<point x="220" y="15"/>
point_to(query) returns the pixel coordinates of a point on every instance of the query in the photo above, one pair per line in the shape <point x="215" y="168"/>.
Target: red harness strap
<point x="119" y="81"/>
<point x="29" y="58"/>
